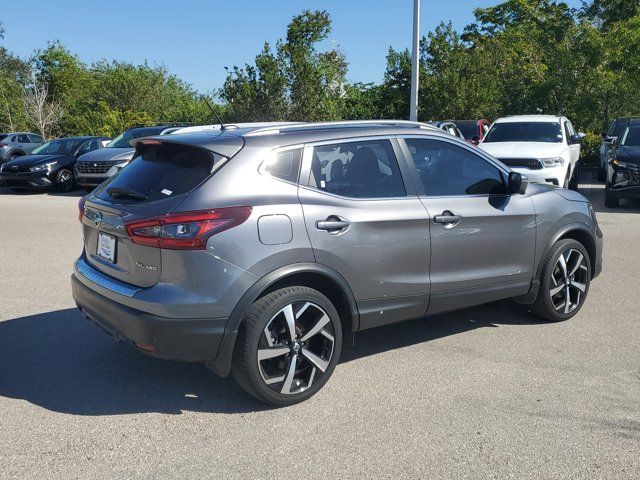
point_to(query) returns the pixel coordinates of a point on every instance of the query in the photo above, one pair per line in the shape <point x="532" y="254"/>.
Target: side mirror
<point x="475" y="139"/>
<point x="574" y="139"/>
<point x="517" y="183"/>
<point x="609" y="141"/>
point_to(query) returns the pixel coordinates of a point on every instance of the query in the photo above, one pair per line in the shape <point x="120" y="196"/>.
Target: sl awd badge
<point x="153" y="268"/>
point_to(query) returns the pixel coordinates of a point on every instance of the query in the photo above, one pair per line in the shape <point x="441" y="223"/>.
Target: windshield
<point x="468" y="129"/>
<point x="59" y="147"/>
<point x="3" y="136"/>
<point x="631" y="137"/>
<point x="617" y="127"/>
<point x="122" y="140"/>
<point x="548" y="132"/>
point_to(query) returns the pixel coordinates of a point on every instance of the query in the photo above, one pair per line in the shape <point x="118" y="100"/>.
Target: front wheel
<point x="65" y="180"/>
<point x="565" y="280"/>
<point x="288" y="346"/>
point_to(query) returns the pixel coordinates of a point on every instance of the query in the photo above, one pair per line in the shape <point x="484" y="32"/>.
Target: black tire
<point x="549" y="306"/>
<point x="575" y="178"/>
<point x="14" y="155"/>
<point x="65" y="180"/>
<point x="263" y="378"/>
<point x="610" y="200"/>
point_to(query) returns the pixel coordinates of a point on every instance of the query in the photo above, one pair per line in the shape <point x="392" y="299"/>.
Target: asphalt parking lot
<point x="485" y="392"/>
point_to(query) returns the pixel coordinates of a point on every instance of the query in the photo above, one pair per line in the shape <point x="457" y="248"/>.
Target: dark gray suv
<point x="254" y="250"/>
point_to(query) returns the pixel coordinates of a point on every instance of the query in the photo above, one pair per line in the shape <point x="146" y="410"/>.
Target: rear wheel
<point x="610" y="200"/>
<point x="565" y="280"/>
<point x="65" y="180"/>
<point x="288" y="346"/>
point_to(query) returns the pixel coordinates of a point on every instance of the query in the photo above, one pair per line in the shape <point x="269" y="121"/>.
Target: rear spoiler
<point x="224" y="145"/>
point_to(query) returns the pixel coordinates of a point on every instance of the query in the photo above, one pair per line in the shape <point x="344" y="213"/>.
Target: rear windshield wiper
<point x="117" y="192"/>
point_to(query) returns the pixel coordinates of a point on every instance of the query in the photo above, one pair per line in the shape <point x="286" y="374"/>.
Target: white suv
<point x="545" y="148"/>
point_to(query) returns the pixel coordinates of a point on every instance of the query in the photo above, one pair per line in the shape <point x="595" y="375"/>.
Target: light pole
<point x="415" y="60"/>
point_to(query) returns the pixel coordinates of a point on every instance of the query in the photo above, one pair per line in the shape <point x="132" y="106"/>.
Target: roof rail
<point x="347" y="123"/>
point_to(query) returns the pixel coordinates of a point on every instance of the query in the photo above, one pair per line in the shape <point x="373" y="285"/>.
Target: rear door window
<point x="364" y="169"/>
<point x="446" y="169"/>
<point x="161" y="171"/>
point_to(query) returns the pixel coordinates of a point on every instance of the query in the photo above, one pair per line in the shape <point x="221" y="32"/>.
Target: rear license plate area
<point x="107" y="247"/>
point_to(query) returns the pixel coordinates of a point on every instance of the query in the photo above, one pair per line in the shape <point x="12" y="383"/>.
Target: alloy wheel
<point x="295" y="348"/>
<point x="568" y="281"/>
<point x="65" y="180"/>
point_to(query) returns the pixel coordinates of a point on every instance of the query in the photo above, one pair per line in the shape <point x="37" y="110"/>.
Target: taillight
<point x="3" y="145"/>
<point x="81" y="203"/>
<point x="185" y="230"/>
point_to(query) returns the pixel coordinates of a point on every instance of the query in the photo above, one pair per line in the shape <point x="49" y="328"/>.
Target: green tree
<point x="14" y="73"/>
<point x="296" y="82"/>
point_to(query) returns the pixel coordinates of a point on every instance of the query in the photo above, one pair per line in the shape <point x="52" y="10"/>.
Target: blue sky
<point x="196" y="39"/>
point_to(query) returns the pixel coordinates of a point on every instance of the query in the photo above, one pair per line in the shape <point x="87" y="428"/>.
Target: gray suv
<point x="254" y="250"/>
<point x="17" y="144"/>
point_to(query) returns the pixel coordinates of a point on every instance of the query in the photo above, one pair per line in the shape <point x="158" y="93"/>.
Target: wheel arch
<point x="576" y="231"/>
<point x="319" y="277"/>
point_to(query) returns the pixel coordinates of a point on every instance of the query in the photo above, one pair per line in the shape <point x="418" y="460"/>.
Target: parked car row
<point x="67" y="162"/>
<point x="545" y="148"/>
<point x="50" y="164"/>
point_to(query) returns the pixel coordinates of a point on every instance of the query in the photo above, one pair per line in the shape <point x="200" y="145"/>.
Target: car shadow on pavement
<point x="62" y="362"/>
<point x="405" y="334"/>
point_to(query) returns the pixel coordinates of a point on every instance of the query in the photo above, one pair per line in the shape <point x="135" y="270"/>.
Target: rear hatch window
<point x="158" y="172"/>
<point x="153" y="184"/>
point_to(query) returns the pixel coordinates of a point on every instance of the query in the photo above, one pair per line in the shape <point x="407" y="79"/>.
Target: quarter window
<point x="450" y="170"/>
<point x="365" y="169"/>
<point x="285" y="165"/>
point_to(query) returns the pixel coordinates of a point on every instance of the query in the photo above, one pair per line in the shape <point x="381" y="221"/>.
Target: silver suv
<point x="253" y="250"/>
<point x="17" y="144"/>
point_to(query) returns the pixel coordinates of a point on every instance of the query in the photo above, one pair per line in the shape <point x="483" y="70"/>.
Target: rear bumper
<point x="188" y="340"/>
<point x="26" y="180"/>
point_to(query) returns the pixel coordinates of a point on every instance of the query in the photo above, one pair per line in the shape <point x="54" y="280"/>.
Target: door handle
<point x="332" y="224"/>
<point x="447" y="218"/>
